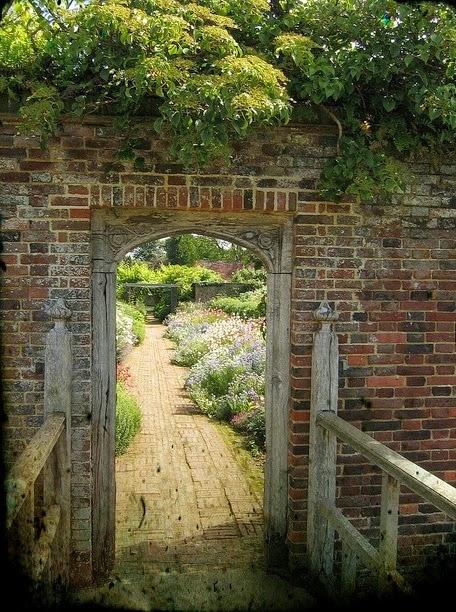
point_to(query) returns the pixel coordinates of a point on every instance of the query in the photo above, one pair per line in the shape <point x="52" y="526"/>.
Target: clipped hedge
<point x="249" y="305"/>
<point x="182" y="276"/>
<point x="128" y="419"/>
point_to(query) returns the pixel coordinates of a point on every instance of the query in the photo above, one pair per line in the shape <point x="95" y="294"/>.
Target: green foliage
<point x="153" y="253"/>
<point x="179" y="60"/>
<point x="253" y="424"/>
<point x="128" y="419"/>
<point x="383" y="72"/>
<point x="217" y="382"/>
<point x="253" y="276"/>
<point x="131" y="271"/>
<point x="248" y="305"/>
<point x="190" y="248"/>
<point x="185" y="276"/>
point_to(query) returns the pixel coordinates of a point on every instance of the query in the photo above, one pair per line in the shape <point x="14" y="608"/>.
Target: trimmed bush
<point x="248" y="305"/>
<point x="253" y="276"/>
<point x="132" y="272"/>
<point x="128" y="419"/>
<point x="182" y="276"/>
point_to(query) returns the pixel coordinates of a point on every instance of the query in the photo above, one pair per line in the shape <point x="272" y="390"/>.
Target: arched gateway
<point x="114" y="233"/>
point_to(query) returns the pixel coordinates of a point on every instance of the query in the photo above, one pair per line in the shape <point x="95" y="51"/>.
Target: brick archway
<point x="114" y="233"/>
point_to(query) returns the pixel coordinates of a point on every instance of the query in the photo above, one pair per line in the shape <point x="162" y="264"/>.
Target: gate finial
<point x="324" y="313"/>
<point x="59" y="312"/>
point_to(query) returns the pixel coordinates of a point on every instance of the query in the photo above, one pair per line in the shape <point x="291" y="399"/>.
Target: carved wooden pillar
<point x="58" y="378"/>
<point x="322" y="444"/>
<point x="277" y="405"/>
<point x="103" y="420"/>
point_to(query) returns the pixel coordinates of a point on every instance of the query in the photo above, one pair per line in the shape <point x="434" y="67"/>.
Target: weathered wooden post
<point x="389" y="516"/>
<point x="58" y="376"/>
<point x="323" y="444"/>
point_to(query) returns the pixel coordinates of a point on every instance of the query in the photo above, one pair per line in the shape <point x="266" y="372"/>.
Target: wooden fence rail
<point x="324" y="518"/>
<point x="38" y="484"/>
<point x="33" y="528"/>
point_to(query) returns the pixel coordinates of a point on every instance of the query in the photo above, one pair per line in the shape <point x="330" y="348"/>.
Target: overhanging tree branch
<point x="39" y="11"/>
<point x="337" y="122"/>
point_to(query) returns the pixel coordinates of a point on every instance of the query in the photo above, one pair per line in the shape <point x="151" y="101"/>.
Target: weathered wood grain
<point x="28" y="466"/>
<point x="103" y="423"/>
<point x="389" y="514"/>
<point x="348" y="570"/>
<point x="420" y="481"/>
<point x="43" y="546"/>
<point x="359" y="545"/>
<point x="322" y="446"/>
<point x="277" y="405"/>
<point x="58" y="380"/>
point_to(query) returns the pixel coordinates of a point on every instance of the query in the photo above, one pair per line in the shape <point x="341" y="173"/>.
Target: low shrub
<point x="253" y="425"/>
<point x="248" y="305"/>
<point x="138" y="314"/>
<point x="253" y="276"/>
<point x="182" y="276"/>
<point x="132" y="271"/>
<point x="128" y="419"/>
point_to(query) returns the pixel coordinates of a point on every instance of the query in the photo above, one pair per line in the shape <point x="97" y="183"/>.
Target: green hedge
<point x="182" y="276"/>
<point x="252" y="276"/>
<point x="128" y="419"/>
<point x="249" y="305"/>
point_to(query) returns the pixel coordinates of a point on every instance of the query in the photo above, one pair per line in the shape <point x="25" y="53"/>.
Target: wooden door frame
<point x="114" y="233"/>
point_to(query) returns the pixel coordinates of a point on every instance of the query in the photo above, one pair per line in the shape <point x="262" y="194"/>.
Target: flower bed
<point x="130" y="328"/>
<point x="227" y="357"/>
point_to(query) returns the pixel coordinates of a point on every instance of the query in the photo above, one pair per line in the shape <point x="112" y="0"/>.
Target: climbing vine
<point x="209" y="72"/>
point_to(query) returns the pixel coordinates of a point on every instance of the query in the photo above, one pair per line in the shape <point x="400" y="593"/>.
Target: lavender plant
<point x="227" y="356"/>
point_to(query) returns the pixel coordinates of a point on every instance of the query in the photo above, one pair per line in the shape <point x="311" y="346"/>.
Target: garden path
<point x="189" y="527"/>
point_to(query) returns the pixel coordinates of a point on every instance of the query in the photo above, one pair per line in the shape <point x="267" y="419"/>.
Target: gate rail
<point x="43" y="457"/>
<point x="324" y="518"/>
<point x="38" y="483"/>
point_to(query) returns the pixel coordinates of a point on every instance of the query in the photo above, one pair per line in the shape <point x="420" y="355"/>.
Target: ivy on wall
<point x="211" y="71"/>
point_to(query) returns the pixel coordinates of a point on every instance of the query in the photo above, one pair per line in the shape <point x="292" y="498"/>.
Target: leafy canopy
<point x="212" y="70"/>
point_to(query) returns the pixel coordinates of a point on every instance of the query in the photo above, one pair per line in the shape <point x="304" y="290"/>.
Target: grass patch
<point x="252" y="466"/>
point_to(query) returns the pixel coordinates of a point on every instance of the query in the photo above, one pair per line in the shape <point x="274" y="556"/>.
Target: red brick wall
<point x="390" y="273"/>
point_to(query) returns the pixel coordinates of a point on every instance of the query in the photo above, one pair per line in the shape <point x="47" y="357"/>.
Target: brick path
<point x="189" y="533"/>
<point x="181" y="496"/>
